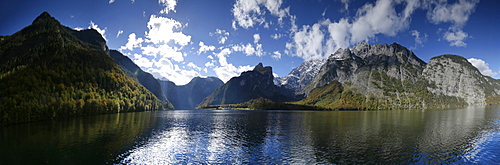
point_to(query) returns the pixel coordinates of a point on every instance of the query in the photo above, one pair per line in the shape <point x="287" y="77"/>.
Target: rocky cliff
<point x="298" y="79"/>
<point x="453" y="75"/>
<point x="393" y="77"/>
<point x="255" y="85"/>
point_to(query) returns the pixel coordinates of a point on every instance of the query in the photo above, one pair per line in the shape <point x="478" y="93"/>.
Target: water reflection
<point x="462" y="136"/>
<point x="288" y="137"/>
<point x="85" y="140"/>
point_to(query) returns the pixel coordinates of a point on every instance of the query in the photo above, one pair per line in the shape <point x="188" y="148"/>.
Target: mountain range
<point x="50" y="71"/>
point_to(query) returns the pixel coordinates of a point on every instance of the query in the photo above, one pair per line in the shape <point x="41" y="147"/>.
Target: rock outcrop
<point x="250" y="85"/>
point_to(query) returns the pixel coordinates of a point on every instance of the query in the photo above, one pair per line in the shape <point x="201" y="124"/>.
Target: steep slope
<point x="453" y="75"/>
<point x="392" y="77"/>
<point x="251" y="85"/>
<point x="46" y="73"/>
<point x="134" y="71"/>
<point x="298" y="79"/>
<point x="189" y="96"/>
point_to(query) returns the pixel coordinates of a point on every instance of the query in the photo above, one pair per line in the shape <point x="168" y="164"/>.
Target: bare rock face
<point x="298" y="79"/>
<point x="396" y="77"/>
<point x="355" y="65"/>
<point x="453" y="75"/>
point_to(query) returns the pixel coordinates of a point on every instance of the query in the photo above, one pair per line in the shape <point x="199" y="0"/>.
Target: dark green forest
<point x="47" y="73"/>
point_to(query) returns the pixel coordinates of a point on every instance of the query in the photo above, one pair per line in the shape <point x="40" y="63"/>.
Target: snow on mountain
<point x="299" y="77"/>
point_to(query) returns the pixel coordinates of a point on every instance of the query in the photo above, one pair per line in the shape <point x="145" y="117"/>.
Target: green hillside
<point x="47" y="73"/>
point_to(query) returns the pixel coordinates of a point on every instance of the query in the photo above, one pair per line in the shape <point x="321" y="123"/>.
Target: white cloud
<point x="111" y="1"/>
<point x="229" y="71"/>
<point x="120" y="32"/>
<point x="142" y="61"/>
<point x="101" y="31"/>
<point x="161" y="50"/>
<point x="256" y="38"/>
<point x="194" y="66"/>
<point x="222" y="35"/>
<point x="209" y="64"/>
<point x="310" y="42"/>
<point x="483" y="67"/>
<point x="249" y="49"/>
<point x="276" y="55"/>
<point x="133" y="42"/>
<point x="168" y="4"/>
<point x="205" y="48"/>
<point x="419" y="39"/>
<point x="277" y="36"/>
<point x="457" y="14"/>
<point x="248" y="13"/>
<point x="456" y="38"/>
<point x="163" y="30"/>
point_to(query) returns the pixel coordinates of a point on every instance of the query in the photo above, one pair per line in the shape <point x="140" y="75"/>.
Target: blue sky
<point x="179" y="40"/>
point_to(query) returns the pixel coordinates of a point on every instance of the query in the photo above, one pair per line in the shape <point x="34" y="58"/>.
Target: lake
<point x="450" y="136"/>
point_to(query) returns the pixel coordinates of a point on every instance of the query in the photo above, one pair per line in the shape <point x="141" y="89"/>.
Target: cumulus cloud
<point x="225" y="73"/>
<point x="456" y="38"/>
<point x="162" y="30"/>
<point x="483" y="67"/>
<point x="133" y="42"/>
<point x="276" y="55"/>
<point x="248" y="13"/>
<point x="101" y="31"/>
<point x="249" y="49"/>
<point x="193" y="66"/>
<point x="256" y="38"/>
<point x="225" y="70"/>
<point x="120" y="32"/>
<point x="325" y="37"/>
<point x="205" y="48"/>
<point x="308" y="42"/>
<point x="169" y="5"/>
<point x="161" y="47"/>
<point x="457" y="14"/>
<point x="142" y="61"/>
<point x="222" y="35"/>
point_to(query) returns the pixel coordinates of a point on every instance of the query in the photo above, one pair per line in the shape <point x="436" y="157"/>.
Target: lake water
<point x="456" y="136"/>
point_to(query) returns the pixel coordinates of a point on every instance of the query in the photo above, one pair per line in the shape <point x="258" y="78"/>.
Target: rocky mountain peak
<point x="341" y="54"/>
<point x="263" y="70"/>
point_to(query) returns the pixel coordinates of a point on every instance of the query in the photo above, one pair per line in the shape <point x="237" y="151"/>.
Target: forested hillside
<point x="47" y="73"/>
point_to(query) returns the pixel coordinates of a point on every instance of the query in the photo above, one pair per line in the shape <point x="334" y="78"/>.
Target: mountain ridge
<point x="48" y="73"/>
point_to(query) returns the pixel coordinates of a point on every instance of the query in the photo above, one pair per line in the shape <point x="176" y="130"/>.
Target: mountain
<point x="453" y="75"/>
<point x="47" y="72"/>
<point x="189" y="96"/>
<point x="255" y="85"/>
<point x="134" y="71"/>
<point x="393" y="77"/>
<point x="298" y="79"/>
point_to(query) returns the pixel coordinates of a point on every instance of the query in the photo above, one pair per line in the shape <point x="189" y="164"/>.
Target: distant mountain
<point x="255" y="85"/>
<point x="47" y="72"/>
<point x="298" y="79"/>
<point x="189" y="96"/>
<point x="392" y="77"/>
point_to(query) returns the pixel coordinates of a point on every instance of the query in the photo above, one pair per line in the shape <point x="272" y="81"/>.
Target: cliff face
<point x="298" y="79"/>
<point x="355" y="66"/>
<point x="453" y="75"/>
<point x="392" y="77"/>
<point x="251" y="85"/>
